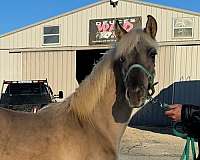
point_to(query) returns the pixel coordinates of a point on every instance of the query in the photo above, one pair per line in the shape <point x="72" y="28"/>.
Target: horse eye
<point x="122" y="59"/>
<point x="153" y="56"/>
<point x="152" y="53"/>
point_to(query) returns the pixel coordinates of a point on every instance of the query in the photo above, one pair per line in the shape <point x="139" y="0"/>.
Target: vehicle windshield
<point x="26" y="88"/>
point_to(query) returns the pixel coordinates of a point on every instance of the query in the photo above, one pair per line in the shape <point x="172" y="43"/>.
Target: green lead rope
<point x="189" y="141"/>
<point x="178" y="131"/>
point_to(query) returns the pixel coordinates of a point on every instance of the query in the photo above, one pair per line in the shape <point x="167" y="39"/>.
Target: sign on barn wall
<point x="101" y="31"/>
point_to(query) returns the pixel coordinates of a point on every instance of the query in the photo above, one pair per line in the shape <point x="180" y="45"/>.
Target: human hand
<point x="174" y="112"/>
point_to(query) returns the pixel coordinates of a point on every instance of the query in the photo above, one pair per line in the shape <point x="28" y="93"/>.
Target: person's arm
<point x="190" y="117"/>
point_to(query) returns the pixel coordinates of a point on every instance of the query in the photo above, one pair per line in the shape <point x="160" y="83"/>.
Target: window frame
<point x="45" y="35"/>
<point x="184" y="37"/>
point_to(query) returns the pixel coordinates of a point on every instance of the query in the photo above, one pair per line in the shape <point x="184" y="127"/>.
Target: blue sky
<point x="15" y="14"/>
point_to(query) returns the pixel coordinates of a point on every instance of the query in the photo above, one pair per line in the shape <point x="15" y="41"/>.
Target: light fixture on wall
<point x="114" y="2"/>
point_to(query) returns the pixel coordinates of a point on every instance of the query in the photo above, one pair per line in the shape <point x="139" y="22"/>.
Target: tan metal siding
<point x="69" y="29"/>
<point x="74" y="28"/>
<point x="10" y="66"/>
<point x="187" y="63"/>
<point x="165" y="67"/>
<point x="176" y="64"/>
<point x="58" y="67"/>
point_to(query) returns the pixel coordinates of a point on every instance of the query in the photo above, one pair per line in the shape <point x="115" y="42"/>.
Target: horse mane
<point x="83" y="101"/>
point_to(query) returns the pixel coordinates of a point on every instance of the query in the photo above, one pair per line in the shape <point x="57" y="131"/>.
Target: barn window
<point x="183" y="27"/>
<point x="51" y="35"/>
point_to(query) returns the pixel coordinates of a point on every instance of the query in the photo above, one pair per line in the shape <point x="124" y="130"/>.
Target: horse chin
<point x="136" y="97"/>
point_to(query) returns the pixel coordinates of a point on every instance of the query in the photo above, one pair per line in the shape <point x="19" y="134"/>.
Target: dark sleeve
<point x="190" y="117"/>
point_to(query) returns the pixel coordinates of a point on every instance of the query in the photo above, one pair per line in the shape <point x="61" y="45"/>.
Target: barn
<point x="64" y="49"/>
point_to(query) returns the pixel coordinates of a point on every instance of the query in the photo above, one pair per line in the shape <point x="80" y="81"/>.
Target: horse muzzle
<point x="136" y="96"/>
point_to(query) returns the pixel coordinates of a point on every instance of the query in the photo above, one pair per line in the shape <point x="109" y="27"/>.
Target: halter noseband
<point x="150" y="77"/>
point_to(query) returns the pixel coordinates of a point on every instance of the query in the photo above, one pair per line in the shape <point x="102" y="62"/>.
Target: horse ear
<point x="119" y="30"/>
<point x="151" y="26"/>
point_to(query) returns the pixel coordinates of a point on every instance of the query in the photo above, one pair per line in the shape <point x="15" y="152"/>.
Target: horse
<point x="88" y="124"/>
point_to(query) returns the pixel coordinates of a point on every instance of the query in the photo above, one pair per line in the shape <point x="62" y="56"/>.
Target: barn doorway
<point x="85" y="60"/>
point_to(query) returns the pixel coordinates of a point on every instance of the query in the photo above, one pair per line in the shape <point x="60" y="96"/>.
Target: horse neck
<point x="86" y="97"/>
<point x="112" y="114"/>
<point x="99" y="99"/>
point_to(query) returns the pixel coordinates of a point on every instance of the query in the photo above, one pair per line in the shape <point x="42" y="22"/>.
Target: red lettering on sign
<point x="112" y="27"/>
<point x="103" y="27"/>
<point x="128" y="26"/>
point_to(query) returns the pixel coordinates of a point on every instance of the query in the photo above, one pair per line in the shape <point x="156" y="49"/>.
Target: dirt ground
<point x="139" y="144"/>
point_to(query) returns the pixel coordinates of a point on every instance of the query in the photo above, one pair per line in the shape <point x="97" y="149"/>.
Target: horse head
<point x="135" y="54"/>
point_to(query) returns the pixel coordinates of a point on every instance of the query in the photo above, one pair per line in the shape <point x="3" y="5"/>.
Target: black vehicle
<point x="27" y="95"/>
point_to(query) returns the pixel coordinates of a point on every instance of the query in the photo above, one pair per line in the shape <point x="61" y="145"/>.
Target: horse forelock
<point x="130" y="40"/>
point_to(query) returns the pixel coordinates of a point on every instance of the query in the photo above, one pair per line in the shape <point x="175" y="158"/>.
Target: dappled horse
<point x="89" y="124"/>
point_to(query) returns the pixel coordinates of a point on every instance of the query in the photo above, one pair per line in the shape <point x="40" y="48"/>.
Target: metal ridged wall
<point x="74" y="27"/>
<point x="177" y="63"/>
<point x="10" y="66"/>
<point x="57" y="66"/>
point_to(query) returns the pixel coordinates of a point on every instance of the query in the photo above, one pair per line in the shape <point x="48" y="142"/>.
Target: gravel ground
<point x="140" y="144"/>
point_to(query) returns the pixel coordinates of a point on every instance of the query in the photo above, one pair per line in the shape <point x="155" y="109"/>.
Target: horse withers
<point x="88" y="124"/>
